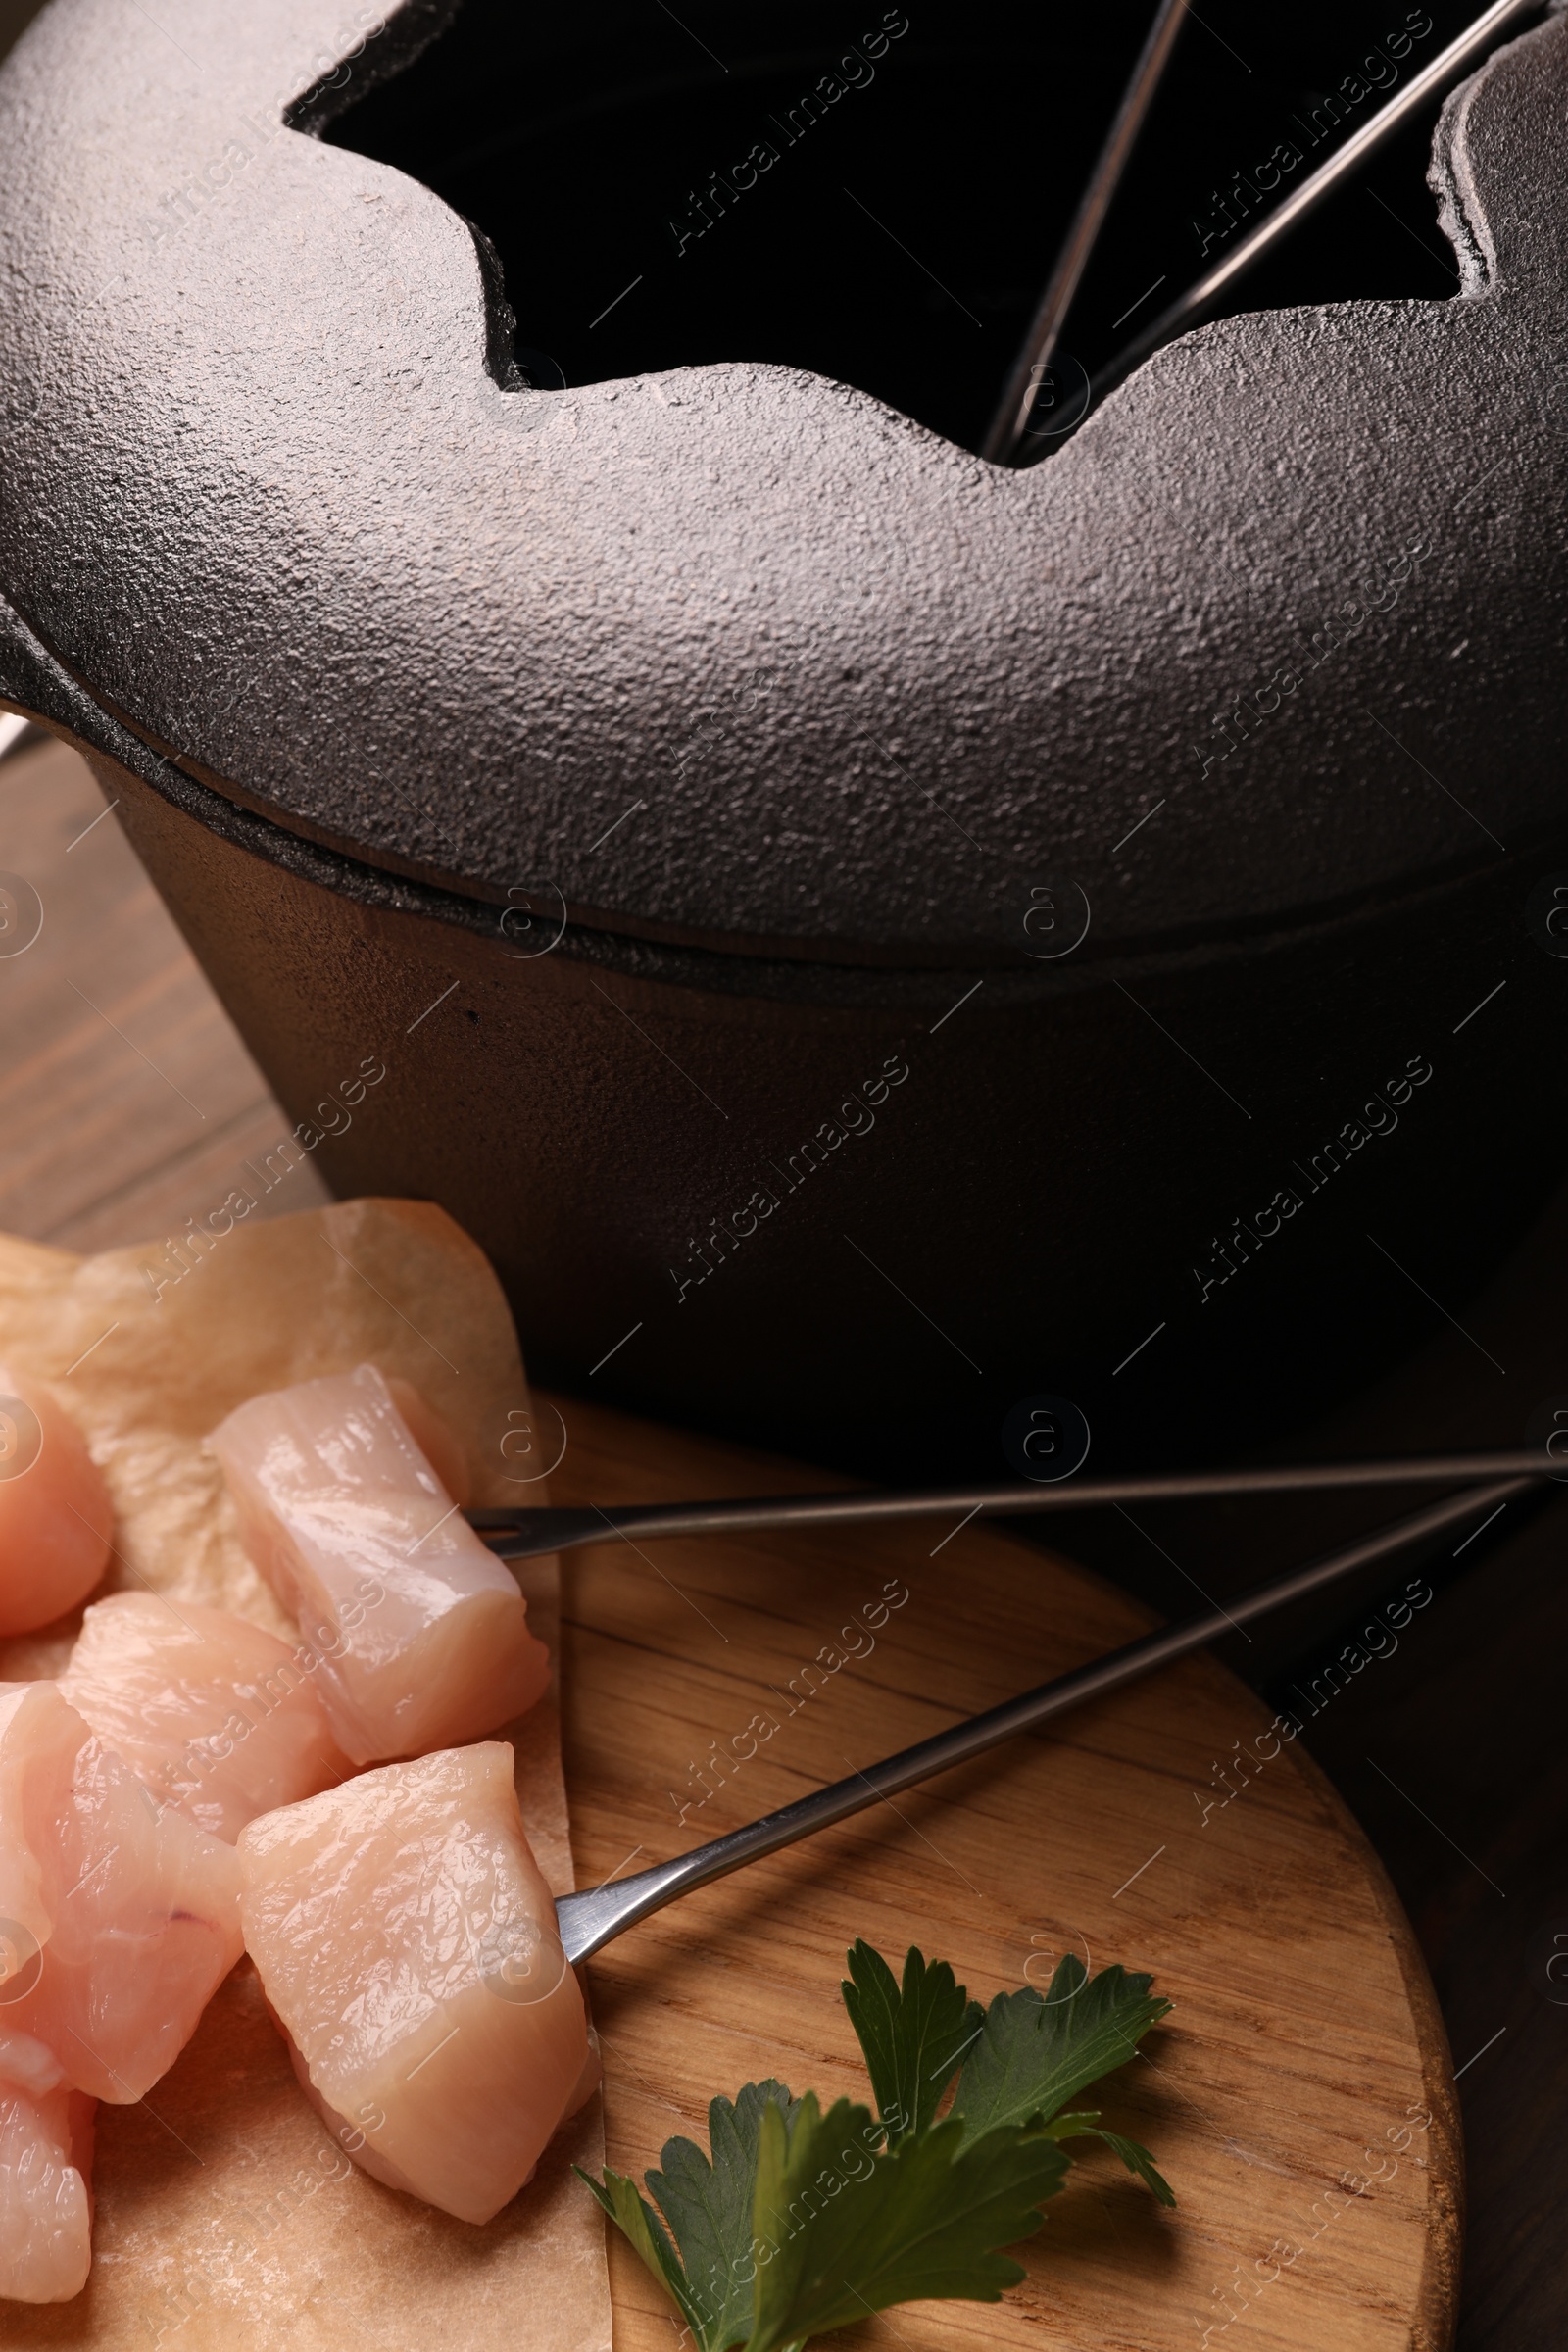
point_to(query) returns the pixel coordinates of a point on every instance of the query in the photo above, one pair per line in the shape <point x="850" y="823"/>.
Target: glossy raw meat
<point x="422" y="1633"/>
<point x="117" y="1918"/>
<point x="55" y="1515"/>
<point x="436" y="1440"/>
<point x="407" y="1944"/>
<point x="213" y="1714"/>
<point x="46" y="2132"/>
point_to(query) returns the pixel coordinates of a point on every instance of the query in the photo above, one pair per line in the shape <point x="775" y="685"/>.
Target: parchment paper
<point x="228" y="2220"/>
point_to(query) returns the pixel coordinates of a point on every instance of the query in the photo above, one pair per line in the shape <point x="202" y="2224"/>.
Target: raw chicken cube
<point x="55" y="1514"/>
<point x="407" y="1944"/>
<point x="117" y="1918"/>
<point x="435" y="1438"/>
<point x="46" y="2132"/>
<point x="214" y="1714"/>
<point x="420" y="1633"/>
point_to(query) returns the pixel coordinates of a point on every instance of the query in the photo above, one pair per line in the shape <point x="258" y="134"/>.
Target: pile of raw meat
<point x="191" y="1787"/>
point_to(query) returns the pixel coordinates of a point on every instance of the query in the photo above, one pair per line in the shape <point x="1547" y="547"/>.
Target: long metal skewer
<point x="1012" y="415"/>
<point x="1189" y="307"/>
<point x="522" y="1534"/>
<point x="588" y="1919"/>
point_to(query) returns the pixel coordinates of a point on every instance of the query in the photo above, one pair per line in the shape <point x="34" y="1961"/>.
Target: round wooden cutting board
<point x="1300" y="2098"/>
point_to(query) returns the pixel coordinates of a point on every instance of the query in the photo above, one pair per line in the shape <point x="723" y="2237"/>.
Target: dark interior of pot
<point x="876" y="193"/>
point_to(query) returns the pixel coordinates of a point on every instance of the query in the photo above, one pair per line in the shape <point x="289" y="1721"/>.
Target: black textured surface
<point x="871" y="193"/>
<point x="718" y="1202"/>
<point x="869" y="690"/>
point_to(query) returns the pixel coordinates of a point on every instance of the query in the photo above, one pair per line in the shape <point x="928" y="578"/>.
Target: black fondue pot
<point x="863" y="939"/>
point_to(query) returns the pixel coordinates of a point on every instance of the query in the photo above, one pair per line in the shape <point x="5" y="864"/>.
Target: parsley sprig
<point x="801" y="2219"/>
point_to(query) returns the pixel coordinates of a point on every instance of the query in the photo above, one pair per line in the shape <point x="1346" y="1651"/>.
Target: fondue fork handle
<point x="1189" y="309"/>
<point x="588" y="1921"/>
<point x="523" y="1533"/>
<point x="1012" y="418"/>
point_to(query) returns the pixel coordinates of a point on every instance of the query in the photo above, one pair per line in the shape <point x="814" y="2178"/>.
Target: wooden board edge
<point x="1435" y="2324"/>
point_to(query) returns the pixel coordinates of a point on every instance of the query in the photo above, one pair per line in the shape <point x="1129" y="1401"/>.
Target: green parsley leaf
<point x="799" y="2223"/>
<point x="708" y="2204"/>
<point x="913" y="2036"/>
<point x="1037" y="2051"/>
<point x="852" y="2233"/>
<point x="1086" y="2126"/>
<point x="621" y="2200"/>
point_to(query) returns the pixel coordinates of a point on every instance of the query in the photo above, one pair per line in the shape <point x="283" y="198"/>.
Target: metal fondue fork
<point x="1461" y="54"/>
<point x="591" y="1919"/>
<point x="521" y="1534"/>
<point x="1008" y="425"/>
<point x="1012" y="418"/>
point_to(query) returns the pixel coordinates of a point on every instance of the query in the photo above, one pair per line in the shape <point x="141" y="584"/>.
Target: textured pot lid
<point x="737" y="654"/>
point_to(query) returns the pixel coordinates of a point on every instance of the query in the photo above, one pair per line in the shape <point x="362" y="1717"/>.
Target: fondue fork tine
<point x="591" y="1919"/>
<point x="525" y="1533"/>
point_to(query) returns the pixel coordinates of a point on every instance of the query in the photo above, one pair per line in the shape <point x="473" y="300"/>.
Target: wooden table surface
<point x="126" y="1104"/>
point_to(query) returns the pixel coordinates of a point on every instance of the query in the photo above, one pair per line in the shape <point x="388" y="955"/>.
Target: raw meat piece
<point x="46" y="2132"/>
<point x="407" y="1944"/>
<point x="118" y="1917"/>
<point x="55" y="1514"/>
<point x="435" y="1438"/>
<point x="214" y="1714"/>
<point x="422" y="1633"/>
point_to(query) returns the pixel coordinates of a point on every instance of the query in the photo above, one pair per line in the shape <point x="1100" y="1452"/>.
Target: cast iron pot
<point x="862" y="939"/>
